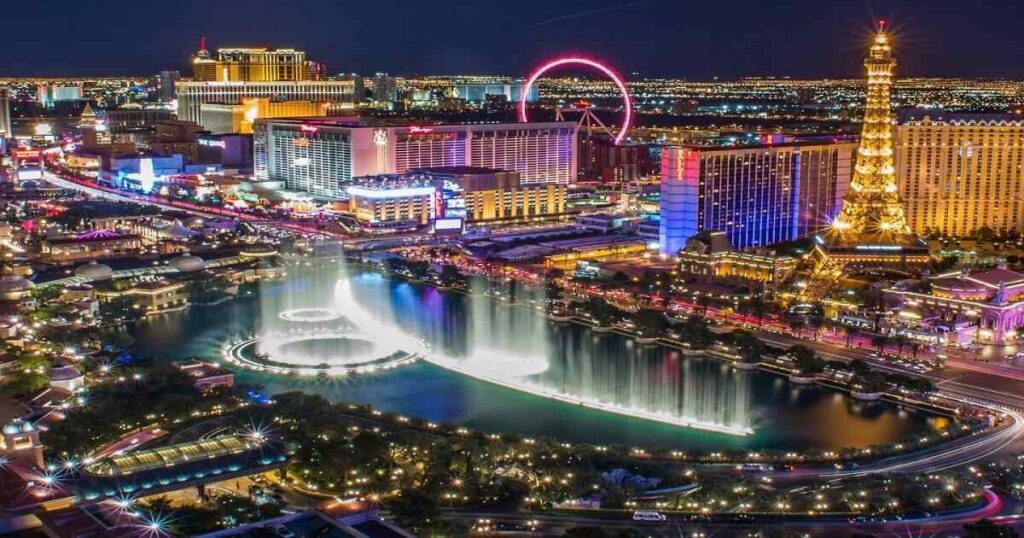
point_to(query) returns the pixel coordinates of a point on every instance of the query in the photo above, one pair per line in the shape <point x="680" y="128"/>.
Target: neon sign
<point x="420" y="130"/>
<point x="308" y="128"/>
<point x="213" y="143"/>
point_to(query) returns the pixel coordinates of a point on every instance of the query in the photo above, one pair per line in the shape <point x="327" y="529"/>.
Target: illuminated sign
<point x="420" y="130"/>
<point x="407" y="192"/>
<point x="213" y="143"/>
<point x="308" y="128"/>
<point x="380" y="138"/>
<point x="879" y="247"/>
<point x="441" y="225"/>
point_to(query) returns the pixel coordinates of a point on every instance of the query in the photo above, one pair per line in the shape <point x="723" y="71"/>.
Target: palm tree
<point x="851" y="332"/>
<point x="816" y="323"/>
<point x="797" y="324"/>
<point x="879" y="342"/>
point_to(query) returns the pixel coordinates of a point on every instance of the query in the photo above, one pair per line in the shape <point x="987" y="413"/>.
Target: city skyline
<point x="652" y="38"/>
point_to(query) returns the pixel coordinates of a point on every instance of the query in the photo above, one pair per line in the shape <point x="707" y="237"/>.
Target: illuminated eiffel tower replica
<point x="871" y="231"/>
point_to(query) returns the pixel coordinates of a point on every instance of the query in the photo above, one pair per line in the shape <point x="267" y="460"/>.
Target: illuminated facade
<point x="959" y="172"/>
<point x="322" y="155"/>
<point x="455" y="194"/>
<point x="709" y="256"/>
<point x="756" y="195"/>
<point x="5" y="115"/>
<point x="249" y="65"/>
<point x="49" y="94"/>
<point x="192" y="95"/>
<point x="239" y="118"/>
<point x="387" y="203"/>
<point x="962" y="307"/>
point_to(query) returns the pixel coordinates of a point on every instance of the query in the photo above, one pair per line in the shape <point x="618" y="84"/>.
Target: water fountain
<point x="319" y="324"/>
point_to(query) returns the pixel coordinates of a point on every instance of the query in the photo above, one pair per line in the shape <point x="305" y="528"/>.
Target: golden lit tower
<point x="871" y="232"/>
<point x="871" y="211"/>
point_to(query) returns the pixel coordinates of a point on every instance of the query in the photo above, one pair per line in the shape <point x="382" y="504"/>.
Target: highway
<point x="554" y="524"/>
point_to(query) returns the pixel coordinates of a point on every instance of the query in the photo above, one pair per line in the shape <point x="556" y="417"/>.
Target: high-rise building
<point x="385" y="87"/>
<point x="5" y="114"/>
<point x="51" y="93"/>
<point x="219" y="118"/>
<point x="192" y="95"/>
<point x="756" y="195"/>
<point x="322" y="155"/>
<point x="166" y="81"/>
<point x="960" y="172"/>
<point x="249" y="64"/>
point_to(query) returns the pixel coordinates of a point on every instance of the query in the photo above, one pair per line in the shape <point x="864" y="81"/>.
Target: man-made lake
<point x="606" y="367"/>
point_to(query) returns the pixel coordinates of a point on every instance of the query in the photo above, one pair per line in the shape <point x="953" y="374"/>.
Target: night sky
<point x="698" y="39"/>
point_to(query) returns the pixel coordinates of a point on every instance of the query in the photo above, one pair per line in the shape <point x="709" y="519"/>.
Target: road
<point x="128" y="443"/>
<point x="554" y="524"/>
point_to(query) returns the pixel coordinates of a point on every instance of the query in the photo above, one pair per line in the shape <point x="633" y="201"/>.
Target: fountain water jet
<point x="504" y="340"/>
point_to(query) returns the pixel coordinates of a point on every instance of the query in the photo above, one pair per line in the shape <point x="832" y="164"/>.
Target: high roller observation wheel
<point x="627" y="101"/>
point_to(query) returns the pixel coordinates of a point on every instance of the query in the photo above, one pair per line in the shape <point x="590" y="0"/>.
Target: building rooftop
<point x="366" y="121"/>
<point x="935" y="115"/>
<point x="170" y="456"/>
<point x="458" y="170"/>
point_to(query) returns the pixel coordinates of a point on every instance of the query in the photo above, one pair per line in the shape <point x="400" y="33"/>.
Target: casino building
<point x="757" y="195"/>
<point x="962" y="307"/>
<point x="450" y="197"/>
<point x="322" y="155"/>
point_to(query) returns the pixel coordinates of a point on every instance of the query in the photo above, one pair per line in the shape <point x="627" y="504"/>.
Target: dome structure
<point x="64" y="373"/>
<point x="94" y="271"/>
<point x="261" y="250"/>
<point x="960" y="288"/>
<point x="66" y="378"/>
<point x="13" y="288"/>
<point x="188" y="263"/>
<point x="17" y="426"/>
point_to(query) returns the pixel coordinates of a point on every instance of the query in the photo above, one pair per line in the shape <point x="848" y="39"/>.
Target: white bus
<point x="648" y="515"/>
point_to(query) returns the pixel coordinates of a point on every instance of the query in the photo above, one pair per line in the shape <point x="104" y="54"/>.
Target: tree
<point x="758" y="307"/>
<point x="807" y="361"/>
<point x="797" y="324"/>
<point x="985" y="233"/>
<point x="451" y="276"/>
<point x="870" y="382"/>
<point x="602" y="312"/>
<point x="704" y="301"/>
<point x="851" y="332"/>
<point x="750" y="346"/>
<point x="815" y="323"/>
<point x="650" y="323"/>
<point x="414" y="509"/>
<point x="880" y="341"/>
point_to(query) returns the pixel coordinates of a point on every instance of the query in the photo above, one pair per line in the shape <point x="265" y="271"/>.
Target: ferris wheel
<point x="588" y="121"/>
